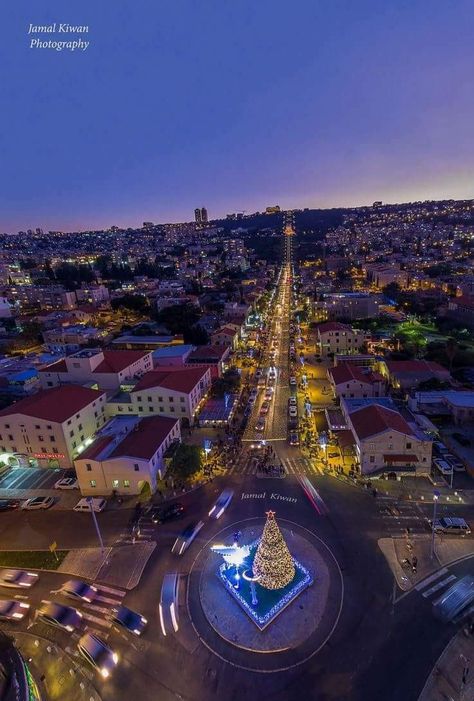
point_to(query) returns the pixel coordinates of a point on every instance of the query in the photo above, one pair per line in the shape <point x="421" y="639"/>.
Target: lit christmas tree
<point x="273" y="564"/>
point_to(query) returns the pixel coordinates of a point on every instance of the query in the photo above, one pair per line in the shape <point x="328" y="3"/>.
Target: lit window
<point x="126" y="483"/>
<point x="115" y="484"/>
<point x="93" y="483"/>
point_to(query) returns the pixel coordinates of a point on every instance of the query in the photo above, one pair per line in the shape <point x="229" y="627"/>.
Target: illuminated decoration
<point x="48" y="456"/>
<point x="273" y="564"/>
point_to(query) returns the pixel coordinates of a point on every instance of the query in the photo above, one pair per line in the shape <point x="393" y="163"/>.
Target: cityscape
<point x="237" y="352"/>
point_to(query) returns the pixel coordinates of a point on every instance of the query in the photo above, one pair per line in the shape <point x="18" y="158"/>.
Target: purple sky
<point x="232" y="106"/>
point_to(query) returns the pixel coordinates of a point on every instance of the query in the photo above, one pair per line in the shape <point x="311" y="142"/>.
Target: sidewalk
<point x="451" y="678"/>
<point x="55" y="671"/>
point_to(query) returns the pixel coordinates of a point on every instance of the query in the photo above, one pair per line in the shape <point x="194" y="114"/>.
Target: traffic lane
<point x="36" y="530"/>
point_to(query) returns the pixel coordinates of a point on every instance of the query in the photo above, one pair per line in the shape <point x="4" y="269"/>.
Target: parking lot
<point x="32" y="477"/>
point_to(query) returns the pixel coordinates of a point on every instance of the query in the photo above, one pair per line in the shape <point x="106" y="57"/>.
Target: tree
<point x="186" y="461"/>
<point x="135" y="303"/>
<point x="273" y="564"/>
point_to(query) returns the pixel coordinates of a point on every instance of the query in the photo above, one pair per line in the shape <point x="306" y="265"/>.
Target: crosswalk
<point x="248" y="465"/>
<point x="403" y="517"/>
<point x="142" y="534"/>
<point x="96" y="615"/>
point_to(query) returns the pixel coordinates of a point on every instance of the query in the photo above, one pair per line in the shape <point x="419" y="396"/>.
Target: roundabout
<point x="265" y="628"/>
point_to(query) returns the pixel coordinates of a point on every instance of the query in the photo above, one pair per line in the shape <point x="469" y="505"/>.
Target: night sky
<point x="232" y="105"/>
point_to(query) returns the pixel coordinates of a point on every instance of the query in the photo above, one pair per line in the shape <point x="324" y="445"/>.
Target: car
<point x="258" y="373"/>
<point x="183" y="541"/>
<point x="462" y="439"/>
<point x="293" y="412"/>
<point x="64" y="617"/>
<point x="292" y="401"/>
<point x="37" y="503"/>
<point x="253" y="393"/>
<point x="454" y="526"/>
<point x="97" y="504"/>
<point x="444" y="467"/>
<point x="9" y="504"/>
<point x="168" y="607"/>
<point x="13" y="610"/>
<point x="67" y="483"/>
<point x="76" y="589"/>
<point x="293" y="381"/>
<point x="130" y="620"/>
<point x="294" y="440"/>
<point x="260" y="425"/>
<point x="264" y="408"/>
<point x="98" y="654"/>
<point x="252" y="400"/>
<point x="454" y="599"/>
<point x="18" y="579"/>
<point x="222" y="503"/>
<point x="167" y="513"/>
<point x="269" y="393"/>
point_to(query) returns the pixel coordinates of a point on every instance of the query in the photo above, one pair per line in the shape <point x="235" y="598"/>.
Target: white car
<point x="222" y="503"/>
<point x="66" y="483"/>
<point x="183" y="541"/>
<point x="18" y="579"/>
<point x="168" y="608"/>
<point x="293" y="412"/>
<point x="38" y="503"/>
<point x="12" y="610"/>
<point x="97" y="503"/>
<point x="293" y="381"/>
<point x="292" y="401"/>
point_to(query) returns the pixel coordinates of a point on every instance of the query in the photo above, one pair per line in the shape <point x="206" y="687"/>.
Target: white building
<point x="51" y="428"/>
<point x="334" y="337"/>
<point x="354" y="381"/>
<point x="108" y="369"/>
<point x="127" y="454"/>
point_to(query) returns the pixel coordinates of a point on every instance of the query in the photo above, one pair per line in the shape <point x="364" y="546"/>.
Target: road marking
<point x="96" y="620"/>
<point x="100" y="609"/>
<point x="421" y="585"/>
<point x="110" y="590"/>
<point x="437" y="586"/>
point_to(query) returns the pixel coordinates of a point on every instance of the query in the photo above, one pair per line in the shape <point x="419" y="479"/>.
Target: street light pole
<point x="94" y="518"/>
<point x="435" y="502"/>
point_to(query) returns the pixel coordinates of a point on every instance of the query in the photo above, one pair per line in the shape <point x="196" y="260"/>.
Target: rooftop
<point x="57" y="404"/>
<point x="376" y="419"/>
<point x="180" y="380"/>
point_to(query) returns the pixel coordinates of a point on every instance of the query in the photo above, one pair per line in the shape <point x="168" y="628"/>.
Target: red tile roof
<point x="206" y="352"/>
<point x="117" y="360"/>
<point x="374" y="419"/>
<point x="58" y="366"/>
<point x="333" y="326"/>
<point x="177" y="380"/>
<point x="94" y="450"/>
<point x="145" y="439"/>
<point x="345" y="372"/>
<point x="57" y="404"/>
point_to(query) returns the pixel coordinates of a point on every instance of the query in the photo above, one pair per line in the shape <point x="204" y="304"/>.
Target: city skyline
<point x="328" y="106"/>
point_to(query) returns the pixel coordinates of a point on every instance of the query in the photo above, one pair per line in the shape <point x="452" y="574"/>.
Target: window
<point x="372" y="458"/>
<point x="140" y="408"/>
<point x="181" y="400"/>
<point x="408" y="446"/>
<point x="37" y="428"/>
<point x="115" y="484"/>
<point x="171" y="399"/>
<point x="88" y="467"/>
<point x="150" y="408"/>
<point x="149" y="399"/>
<point x="10" y="437"/>
<point x="74" y="444"/>
<point x="41" y="439"/>
<point x="136" y="467"/>
<point x="51" y="438"/>
<point x="126" y="483"/>
<point x="183" y="409"/>
<point x="76" y="365"/>
<point x="162" y="409"/>
<point x="172" y="409"/>
<point x="71" y="433"/>
<point x="93" y="483"/>
<point x="160" y="399"/>
<point x="50" y="384"/>
<point x="7" y="425"/>
<point x="49" y="427"/>
<point x="139" y="399"/>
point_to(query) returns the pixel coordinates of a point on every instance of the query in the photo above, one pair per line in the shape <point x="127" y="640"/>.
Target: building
<point x="212" y="357"/>
<point x="200" y="215"/>
<point x="459" y="404"/>
<point x="149" y="343"/>
<point x="334" y="337"/>
<point x="380" y="275"/>
<point x="407" y="374"/>
<point x="127" y="455"/>
<point x="5" y="308"/>
<point x="173" y="391"/>
<point x="52" y="427"/>
<point x="171" y="355"/>
<point x="227" y="335"/>
<point x="347" y="305"/>
<point x="461" y="309"/>
<point x="106" y="369"/>
<point x="48" y="297"/>
<point x="354" y="381"/>
<point x="386" y="442"/>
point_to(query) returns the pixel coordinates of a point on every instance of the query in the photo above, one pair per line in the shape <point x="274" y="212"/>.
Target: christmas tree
<point x="273" y="564"/>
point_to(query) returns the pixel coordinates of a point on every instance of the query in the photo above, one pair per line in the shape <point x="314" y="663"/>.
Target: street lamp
<point x="436" y="495"/>
<point x="90" y="501"/>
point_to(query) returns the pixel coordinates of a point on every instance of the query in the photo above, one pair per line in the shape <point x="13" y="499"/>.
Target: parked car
<point x="293" y="412"/>
<point x="453" y="526"/>
<point x="76" y="589"/>
<point x="64" y="617"/>
<point x="268" y="394"/>
<point x="67" y="483"/>
<point x="167" y="513"/>
<point x="222" y="503"/>
<point x="444" y="467"/>
<point x="293" y="381"/>
<point x="36" y="503"/>
<point x="97" y="503"/>
<point x="294" y="438"/>
<point x="184" y="540"/>
<point x="130" y="620"/>
<point x="18" y="579"/>
<point x="264" y="408"/>
<point x="13" y="610"/>
<point x="9" y="504"/>
<point x="98" y="654"/>
<point x="260" y="425"/>
<point x="292" y="401"/>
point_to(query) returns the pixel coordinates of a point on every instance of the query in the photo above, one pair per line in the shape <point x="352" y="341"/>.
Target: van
<point x="455" y="526"/>
<point x="97" y="504"/>
<point x="455" y="599"/>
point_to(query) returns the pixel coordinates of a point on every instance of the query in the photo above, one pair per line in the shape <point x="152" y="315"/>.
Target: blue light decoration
<point x="302" y="580"/>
